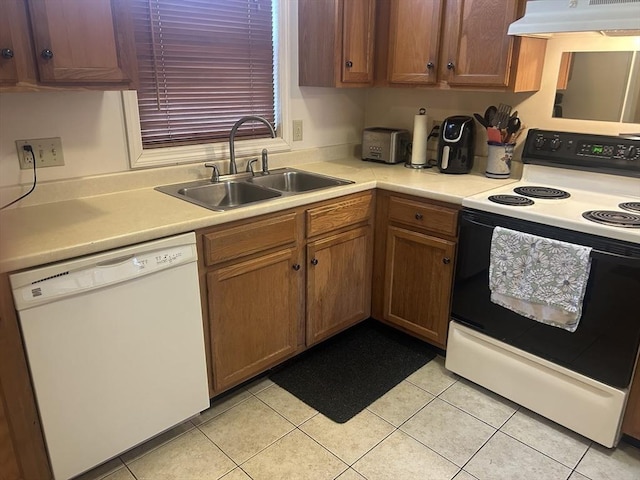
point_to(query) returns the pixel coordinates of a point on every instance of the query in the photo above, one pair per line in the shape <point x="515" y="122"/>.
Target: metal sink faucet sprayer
<point x="232" y="155"/>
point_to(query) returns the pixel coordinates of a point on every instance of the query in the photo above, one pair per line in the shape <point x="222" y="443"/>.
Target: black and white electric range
<point x="585" y="190"/>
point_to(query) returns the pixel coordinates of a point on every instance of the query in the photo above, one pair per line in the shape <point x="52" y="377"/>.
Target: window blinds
<point x="203" y="64"/>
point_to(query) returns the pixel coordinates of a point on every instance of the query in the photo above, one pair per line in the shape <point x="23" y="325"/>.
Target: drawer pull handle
<point x="314" y="261"/>
<point x="418" y="216"/>
<point x="451" y="66"/>
<point x="348" y="64"/>
<point x="46" y="54"/>
<point x="296" y="267"/>
<point x="446" y="260"/>
<point x="430" y="66"/>
<point x="7" y="53"/>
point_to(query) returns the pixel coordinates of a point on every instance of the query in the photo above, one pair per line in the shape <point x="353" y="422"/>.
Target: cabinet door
<point x="77" y="42"/>
<point x="478" y="50"/>
<point x="414" y="40"/>
<point x="254" y="312"/>
<point x="8" y="70"/>
<point x="418" y="280"/>
<point x="8" y="459"/>
<point x="338" y="282"/>
<point x="357" y="40"/>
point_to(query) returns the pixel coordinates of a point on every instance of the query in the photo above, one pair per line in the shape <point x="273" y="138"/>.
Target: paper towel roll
<point x="419" y="146"/>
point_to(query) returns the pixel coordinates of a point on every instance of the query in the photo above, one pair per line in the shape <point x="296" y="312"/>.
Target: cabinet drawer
<point x="339" y="214"/>
<point x="229" y="243"/>
<point x="430" y="217"/>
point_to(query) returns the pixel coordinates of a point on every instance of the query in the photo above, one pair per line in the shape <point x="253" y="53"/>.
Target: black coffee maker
<point x="456" y="144"/>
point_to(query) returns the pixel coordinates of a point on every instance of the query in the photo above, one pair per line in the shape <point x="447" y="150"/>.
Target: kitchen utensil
<point x="503" y="113"/>
<point x="490" y="115"/>
<point x="481" y="120"/>
<point x="513" y="125"/>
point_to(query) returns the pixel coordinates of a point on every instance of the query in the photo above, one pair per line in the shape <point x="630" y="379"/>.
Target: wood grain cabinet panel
<point x="228" y="243"/>
<point x="340" y="214"/>
<point x="418" y="281"/>
<point x="68" y="44"/>
<point x="455" y="43"/>
<point x="338" y="282"/>
<point x="336" y="43"/>
<point x="631" y="421"/>
<point x="253" y="315"/>
<point x="22" y="450"/>
<point x="8" y="68"/>
<point x="82" y="42"/>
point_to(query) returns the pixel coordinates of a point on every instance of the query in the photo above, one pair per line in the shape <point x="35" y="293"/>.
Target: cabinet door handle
<point x="348" y="64"/>
<point x="296" y="267"/>
<point x="430" y="66"/>
<point x="46" y="54"/>
<point x="446" y="260"/>
<point x="450" y="66"/>
<point x="418" y="216"/>
<point x="7" y="53"/>
<point x="314" y="261"/>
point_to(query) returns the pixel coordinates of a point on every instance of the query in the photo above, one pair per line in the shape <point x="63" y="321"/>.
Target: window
<point x="203" y="64"/>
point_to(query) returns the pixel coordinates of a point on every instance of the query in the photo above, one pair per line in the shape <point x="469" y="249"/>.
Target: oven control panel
<point x="617" y="155"/>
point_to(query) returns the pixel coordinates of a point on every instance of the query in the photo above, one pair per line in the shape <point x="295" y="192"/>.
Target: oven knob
<point x="555" y="144"/>
<point x="539" y="142"/>
<point x="632" y="153"/>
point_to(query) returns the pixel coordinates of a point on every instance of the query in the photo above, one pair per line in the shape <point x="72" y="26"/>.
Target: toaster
<point x="387" y="145"/>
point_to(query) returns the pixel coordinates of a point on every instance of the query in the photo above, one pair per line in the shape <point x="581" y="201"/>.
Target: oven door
<point x="605" y="344"/>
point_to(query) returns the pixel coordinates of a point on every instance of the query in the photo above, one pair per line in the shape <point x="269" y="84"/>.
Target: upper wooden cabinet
<point x="455" y="43"/>
<point x="335" y="43"/>
<point x="70" y="43"/>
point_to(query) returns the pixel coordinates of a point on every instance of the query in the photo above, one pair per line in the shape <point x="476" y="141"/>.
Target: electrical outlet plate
<point x="297" y="130"/>
<point x="47" y="152"/>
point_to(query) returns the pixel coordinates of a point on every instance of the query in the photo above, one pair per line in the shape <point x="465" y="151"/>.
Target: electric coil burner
<point x="579" y="379"/>
<point x="513" y="200"/>
<point x="541" y="192"/>
<point x="616" y="219"/>
<point x="630" y="206"/>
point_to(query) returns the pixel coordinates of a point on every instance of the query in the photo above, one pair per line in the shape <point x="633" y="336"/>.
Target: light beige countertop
<point x="48" y="232"/>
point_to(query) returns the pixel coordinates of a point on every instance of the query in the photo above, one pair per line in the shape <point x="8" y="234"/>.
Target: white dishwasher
<point x="115" y="346"/>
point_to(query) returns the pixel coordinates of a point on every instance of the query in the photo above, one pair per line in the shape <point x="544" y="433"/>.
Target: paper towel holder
<point x="418" y="160"/>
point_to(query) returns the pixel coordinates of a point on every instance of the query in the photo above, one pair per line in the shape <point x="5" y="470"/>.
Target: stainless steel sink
<point x="245" y="189"/>
<point x="295" y="181"/>
<point x="220" y="196"/>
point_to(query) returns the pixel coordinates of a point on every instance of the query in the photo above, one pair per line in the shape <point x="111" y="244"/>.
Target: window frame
<point x="219" y="151"/>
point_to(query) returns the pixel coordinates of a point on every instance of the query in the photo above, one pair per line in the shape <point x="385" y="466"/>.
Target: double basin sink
<point x="245" y="189"/>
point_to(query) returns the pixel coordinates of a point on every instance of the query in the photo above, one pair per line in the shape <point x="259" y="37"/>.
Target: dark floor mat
<point x="344" y="375"/>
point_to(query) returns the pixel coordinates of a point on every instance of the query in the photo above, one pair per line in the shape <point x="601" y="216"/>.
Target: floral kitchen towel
<point x="539" y="278"/>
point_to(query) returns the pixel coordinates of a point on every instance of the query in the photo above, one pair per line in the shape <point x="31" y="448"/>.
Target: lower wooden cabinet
<point x="414" y="264"/>
<point x="273" y="285"/>
<point x="418" y="279"/>
<point x="338" y="282"/>
<point x="631" y="421"/>
<point x="22" y="450"/>
<point x="253" y="315"/>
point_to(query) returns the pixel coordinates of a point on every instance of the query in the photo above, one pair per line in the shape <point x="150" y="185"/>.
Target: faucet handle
<point x="215" y="174"/>
<point x="265" y="161"/>
<point x="250" y="166"/>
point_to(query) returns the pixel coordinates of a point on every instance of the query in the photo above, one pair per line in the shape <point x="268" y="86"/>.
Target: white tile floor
<point x="433" y="425"/>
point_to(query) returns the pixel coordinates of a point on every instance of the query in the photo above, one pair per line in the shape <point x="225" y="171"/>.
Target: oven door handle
<point x="595" y="254"/>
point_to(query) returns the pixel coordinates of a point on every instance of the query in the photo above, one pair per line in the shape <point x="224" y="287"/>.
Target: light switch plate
<point x="47" y="152"/>
<point x="297" y="130"/>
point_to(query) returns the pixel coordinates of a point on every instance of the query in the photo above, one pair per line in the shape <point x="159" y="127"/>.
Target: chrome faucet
<point x="232" y="154"/>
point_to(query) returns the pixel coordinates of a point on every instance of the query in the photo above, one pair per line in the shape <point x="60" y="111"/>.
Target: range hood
<point x="543" y="18"/>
